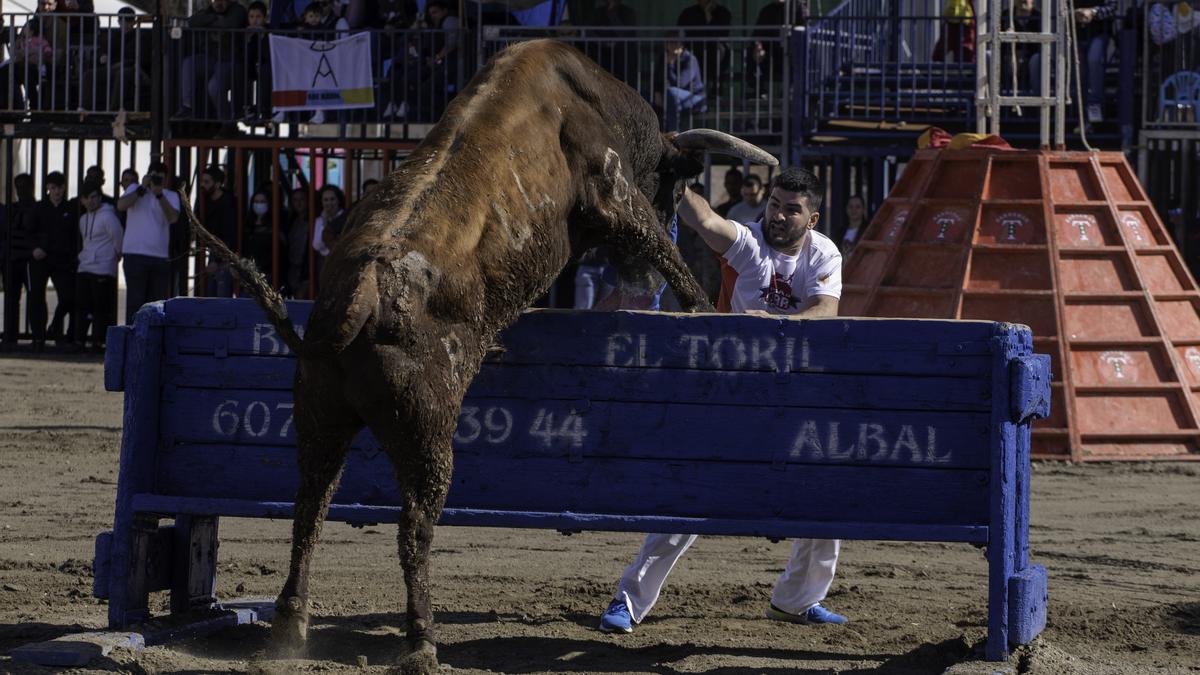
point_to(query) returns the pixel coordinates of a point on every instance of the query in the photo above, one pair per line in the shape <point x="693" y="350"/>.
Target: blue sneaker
<point x="616" y="618"/>
<point x="815" y="614"/>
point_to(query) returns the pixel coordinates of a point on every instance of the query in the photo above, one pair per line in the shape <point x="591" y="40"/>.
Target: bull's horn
<point x="723" y="143"/>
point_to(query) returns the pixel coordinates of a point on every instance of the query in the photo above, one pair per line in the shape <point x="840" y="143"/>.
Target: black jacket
<point x="58" y="232"/>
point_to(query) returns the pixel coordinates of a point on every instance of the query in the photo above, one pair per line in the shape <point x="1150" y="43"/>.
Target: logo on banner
<point x="1121" y="365"/>
<point x="1083" y="225"/>
<point x="1010" y="223"/>
<point x="945" y="220"/>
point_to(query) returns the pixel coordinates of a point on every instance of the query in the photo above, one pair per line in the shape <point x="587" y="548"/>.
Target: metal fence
<point x="224" y="76"/>
<point x="740" y="82"/>
<point x="75" y="63"/>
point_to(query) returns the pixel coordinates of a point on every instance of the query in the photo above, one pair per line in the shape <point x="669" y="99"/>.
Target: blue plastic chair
<point x="1185" y="99"/>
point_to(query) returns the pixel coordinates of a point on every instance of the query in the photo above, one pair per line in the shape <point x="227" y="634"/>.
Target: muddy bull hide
<point x="542" y="156"/>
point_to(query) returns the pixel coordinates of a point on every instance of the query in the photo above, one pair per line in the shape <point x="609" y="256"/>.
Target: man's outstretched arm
<point x="716" y="231"/>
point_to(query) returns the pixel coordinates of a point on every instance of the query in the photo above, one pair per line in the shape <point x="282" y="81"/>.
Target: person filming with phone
<point x="150" y="208"/>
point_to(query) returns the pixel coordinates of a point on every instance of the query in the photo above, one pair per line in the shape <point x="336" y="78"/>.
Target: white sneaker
<point x="1095" y="114"/>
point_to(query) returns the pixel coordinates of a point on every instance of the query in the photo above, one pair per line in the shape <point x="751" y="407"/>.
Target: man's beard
<point x="780" y="238"/>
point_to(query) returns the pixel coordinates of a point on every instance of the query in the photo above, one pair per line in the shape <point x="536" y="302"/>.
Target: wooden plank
<point x="724" y="342"/>
<point x="511" y="429"/>
<point x="114" y="357"/>
<point x="194" y="563"/>
<point x="1030" y="389"/>
<point x="1002" y="517"/>
<point x="717" y="388"/>
<point x="1027" y="603"/>
<point x="773" y="528"/>
<point x="683" y="489"/>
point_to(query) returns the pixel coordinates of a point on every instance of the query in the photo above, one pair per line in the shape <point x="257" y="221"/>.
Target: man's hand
<point x="1085" y="16"/>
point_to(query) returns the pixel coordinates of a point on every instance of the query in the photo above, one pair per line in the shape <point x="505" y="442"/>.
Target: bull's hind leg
<point x="322" y="439"/>
<point x="423" y="458"/>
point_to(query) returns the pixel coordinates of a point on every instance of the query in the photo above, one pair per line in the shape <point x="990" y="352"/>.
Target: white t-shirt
<point x="768" y="280"/>
<point x="147" y="231"/>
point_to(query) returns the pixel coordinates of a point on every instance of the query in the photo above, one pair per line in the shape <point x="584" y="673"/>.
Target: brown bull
<point x="543" y="155"/>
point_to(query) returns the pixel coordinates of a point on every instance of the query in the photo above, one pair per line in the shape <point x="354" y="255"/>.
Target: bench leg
<point x="194" y="578"/>
<point x="143" y="569"/>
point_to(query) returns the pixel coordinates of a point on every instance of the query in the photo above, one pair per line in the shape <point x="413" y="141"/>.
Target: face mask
<point x="259" y="209"/>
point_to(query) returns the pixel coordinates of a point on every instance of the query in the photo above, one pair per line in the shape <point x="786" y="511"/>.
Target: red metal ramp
<point x="1068" y="244"/>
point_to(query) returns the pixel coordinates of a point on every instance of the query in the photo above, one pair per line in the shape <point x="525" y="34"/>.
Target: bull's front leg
<point x="633" y="230"/>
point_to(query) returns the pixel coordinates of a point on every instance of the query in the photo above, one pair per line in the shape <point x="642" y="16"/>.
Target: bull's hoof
<point x="421" y="660"/>
<point x="289" y="628"/>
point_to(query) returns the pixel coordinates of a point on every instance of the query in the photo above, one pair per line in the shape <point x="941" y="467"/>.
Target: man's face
<point x="788" y="219"/>
<point x="56" y="192"/>
<point x="329" y="201"/>
<point x="96" y="174"/>
<point x="207" y="184"/>
<point x="91" y="202"/>
<point x="312" y="19"/>
<point x="220" y="6"/>
<point x="733" y="184"/>
<point x="752" y="192"/>
<point x="128" y="178"/>
<point x="256" y="18"/>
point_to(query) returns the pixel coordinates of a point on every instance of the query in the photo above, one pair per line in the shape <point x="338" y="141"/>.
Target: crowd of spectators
<point x="79" y="245"/>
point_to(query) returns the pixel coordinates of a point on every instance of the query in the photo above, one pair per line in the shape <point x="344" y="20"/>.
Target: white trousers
<point x="804" y="582"/>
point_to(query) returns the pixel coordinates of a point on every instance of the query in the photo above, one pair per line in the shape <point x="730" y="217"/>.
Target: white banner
<point x="310" y="75"/>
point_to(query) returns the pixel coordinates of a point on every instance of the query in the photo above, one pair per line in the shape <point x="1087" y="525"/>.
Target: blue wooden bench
<point x="910" y="430"/>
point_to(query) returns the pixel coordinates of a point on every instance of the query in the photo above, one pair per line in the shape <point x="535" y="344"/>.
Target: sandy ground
<point x="1122" y="543"/>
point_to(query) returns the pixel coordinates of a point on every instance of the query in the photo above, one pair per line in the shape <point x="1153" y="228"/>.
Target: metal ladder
<point x="988" y="52"/>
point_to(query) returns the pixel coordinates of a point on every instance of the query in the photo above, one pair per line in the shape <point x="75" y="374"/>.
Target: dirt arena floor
<point x="1122" y="544"/>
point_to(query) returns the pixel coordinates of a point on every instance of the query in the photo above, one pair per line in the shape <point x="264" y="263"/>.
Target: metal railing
<point x="744" y="72"/>
<point x="224" y="76"/>
<point x="75" y="63"/>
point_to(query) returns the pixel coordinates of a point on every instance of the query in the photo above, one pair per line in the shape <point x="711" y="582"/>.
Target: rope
<point x="1012" y="27"/>
<point x="1072" y="45"/>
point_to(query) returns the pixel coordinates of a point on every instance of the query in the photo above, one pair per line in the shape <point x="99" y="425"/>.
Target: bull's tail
<point x="252" y="280"/>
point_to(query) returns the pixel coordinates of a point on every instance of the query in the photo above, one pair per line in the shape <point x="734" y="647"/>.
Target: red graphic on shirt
<point x="778" y="295"/>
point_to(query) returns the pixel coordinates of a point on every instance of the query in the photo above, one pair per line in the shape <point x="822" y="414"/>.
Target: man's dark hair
<point x="132" y="171"/>
<point x="214" y="172"/>
<point x="440" y="4"/>
<point x="89" y="187"/>
<point x="803" y="181"/>
<point x="733" y="171"/>
<point x="56" y="178"/>
<point x="260" y="6"/>
<point x="95" y="168"/>
<point x="23" y="178"/>
<point x="157" y="167"/>
<point x="368" y="183"/>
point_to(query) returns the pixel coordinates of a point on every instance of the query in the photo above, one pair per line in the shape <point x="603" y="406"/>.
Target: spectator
<point x="368" y="186"/>
<point x="101" y="234"/>
<point x="708" y="19"/>
<point x="751" y="207"/>
<point x="957" y="38"/>
<point x="209" y="69"/>
<point x="856" y="224"/>
<point x="1093" y="19"/>
<point x="30" y="58"/>
<point x="259" y="229"/>
<point x="118" y="76"/>
<point x="617" y="54"/>
<point x="218" y="209"/>
<point x="588" y="277"/>
<point x="151" y="209"/>
<point x="298" y="242"/>
<point x="128" y="177"/>
<point x="255" y="71"/>
<point x="765" y="62"/>
<point x="95" y="174"/>
<point x="1025" y="19"/>
<point x="733" y="191"/>
<point x="58" y="229"/>
<point x="423" y="71"/>
<point x="684" y="86"/>
<point x="333" y="204"/>
<point x="17" y="243"/>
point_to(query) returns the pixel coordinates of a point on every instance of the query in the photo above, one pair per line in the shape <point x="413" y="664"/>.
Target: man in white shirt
<point x="150" y="209"/>
<point x="780" y="265"/>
